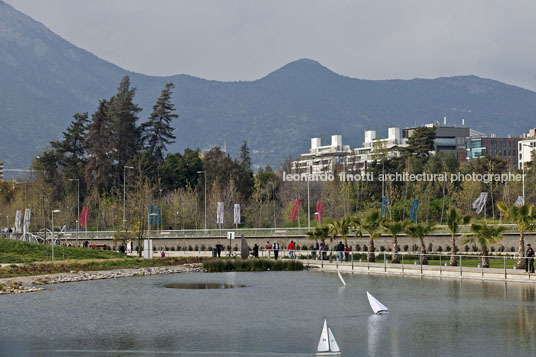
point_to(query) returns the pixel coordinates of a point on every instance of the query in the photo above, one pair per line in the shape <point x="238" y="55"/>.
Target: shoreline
<point x="34" y="283"/>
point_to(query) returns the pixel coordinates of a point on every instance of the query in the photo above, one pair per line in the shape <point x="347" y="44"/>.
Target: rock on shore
<point x="31" y="284"/>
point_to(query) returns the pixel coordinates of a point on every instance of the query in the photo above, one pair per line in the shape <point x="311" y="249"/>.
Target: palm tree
<point x="454" y="221"/>
<point x="395" y="229"/>
<point x="341" y="228"/>
<point x="319" y="233"/>
<point x="419" y="231"/>
<point x="523" y="217"/>
<point x="371" y="223"/>
<point x="484" y="235"/>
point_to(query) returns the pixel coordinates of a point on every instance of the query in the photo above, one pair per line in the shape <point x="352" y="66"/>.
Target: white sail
<point x="333" y="346"/>
<point x="340" y="277"/>
<point x="376" y="306"/>
<point x="323" y="344"/>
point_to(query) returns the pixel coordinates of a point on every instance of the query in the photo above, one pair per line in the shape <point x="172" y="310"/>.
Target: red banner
<point x="319" y="211"/>
<point x="294" y="212"/>
<point x="84" y="216"/>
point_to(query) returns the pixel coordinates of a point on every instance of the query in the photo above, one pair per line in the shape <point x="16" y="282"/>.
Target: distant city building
<point x="526" y="147"/>
<point x="465" y="143"/>
<point x="339" y="157"/>
<point x="449" y="139"/>
<point x="500" y="148"/>
<point x="1" y="171"/>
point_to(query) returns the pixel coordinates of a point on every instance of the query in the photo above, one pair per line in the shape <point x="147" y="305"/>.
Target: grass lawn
<point x="41" y="268"/>
<point x="14" y="251"/>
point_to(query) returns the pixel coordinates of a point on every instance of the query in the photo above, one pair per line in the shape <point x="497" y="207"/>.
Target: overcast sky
<point x="246" y="39"/>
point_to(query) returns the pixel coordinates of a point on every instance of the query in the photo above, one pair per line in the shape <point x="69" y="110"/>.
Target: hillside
<point x="45" y="79"/>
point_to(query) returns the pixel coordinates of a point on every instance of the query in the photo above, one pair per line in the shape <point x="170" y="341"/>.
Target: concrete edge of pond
<point x="432" y="271"/>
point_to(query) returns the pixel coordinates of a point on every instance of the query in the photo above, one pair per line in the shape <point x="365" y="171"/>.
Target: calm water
<point x="278" y="313"/>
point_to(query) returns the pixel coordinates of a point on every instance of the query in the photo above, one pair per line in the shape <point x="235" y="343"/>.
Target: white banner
<point x="219" y="213"/>
<point x="18" y="221"/>
<point x="480" y="202"/>
<point x="27" y="217"/>
<point x="237" y="213"/>
<point x="147" y="248"/>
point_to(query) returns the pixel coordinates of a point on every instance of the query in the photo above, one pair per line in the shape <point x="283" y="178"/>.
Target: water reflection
<point x="375" y="327"/>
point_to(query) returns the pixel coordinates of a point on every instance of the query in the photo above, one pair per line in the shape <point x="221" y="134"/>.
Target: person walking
<point x="291" y="249"/>
<point x="275" y="248"/>
<point x="268" y="247"/>
<point x="219" y="248"/>
<point x="340" y="248"/>
<point x="346" y="253"/>
<point x="529" y="267"/>
<point x="323" y="250"/>
<point x="255" y="251"/>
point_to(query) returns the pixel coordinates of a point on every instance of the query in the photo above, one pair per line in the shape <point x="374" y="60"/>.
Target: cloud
<point x="244" y="40"/>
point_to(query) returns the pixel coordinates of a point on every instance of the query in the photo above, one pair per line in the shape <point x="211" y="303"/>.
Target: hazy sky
<point x="246" y="39"/>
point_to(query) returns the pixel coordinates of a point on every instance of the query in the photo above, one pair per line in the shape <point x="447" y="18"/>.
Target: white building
<point x="526" y="147"/>
<point x="339" y="157"/>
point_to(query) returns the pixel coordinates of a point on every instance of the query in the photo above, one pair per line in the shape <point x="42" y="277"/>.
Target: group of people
<point x="274" y="248"/>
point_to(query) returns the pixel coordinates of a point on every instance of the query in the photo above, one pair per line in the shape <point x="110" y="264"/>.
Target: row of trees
<point x="373" y="224"/>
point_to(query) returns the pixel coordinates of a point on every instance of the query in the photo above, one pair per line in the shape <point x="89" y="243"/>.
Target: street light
<point x="78" y="216"/>
<point x="53" y="240"/>
<point x="125" y="190"/>
<point x="205" y="172"/>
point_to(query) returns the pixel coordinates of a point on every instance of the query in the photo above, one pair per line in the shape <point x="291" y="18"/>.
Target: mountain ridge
<point x="45" y="79"/>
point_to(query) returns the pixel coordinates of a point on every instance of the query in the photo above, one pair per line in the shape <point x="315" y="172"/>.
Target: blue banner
<point x="413" y="210"/>
<point x="385" y="205"/>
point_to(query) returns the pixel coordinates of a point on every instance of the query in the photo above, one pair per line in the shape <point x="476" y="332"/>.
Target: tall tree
<point x="395" y="229"/>
<point x="371" y="223"/>
<point x="157" y="132"/>
<point x="341" y="228"/>
<point x="524" y="217"/>
<point x="485" y="235"/>
<point x="419" y="231"/>
<point x="71" y="150"/>
<point x="421" y="142"/>
<point x="123" y="116"/>
<point x="245" y="158"/>
<point x="454" y="221"/>
<point x="98" y="144"/>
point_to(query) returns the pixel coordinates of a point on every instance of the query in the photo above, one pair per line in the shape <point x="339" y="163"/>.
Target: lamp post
<point x="125" y="190"/>
<point x="53" y="240"/>
<point x="78" y="204"/>
<point x="205" y="173"/>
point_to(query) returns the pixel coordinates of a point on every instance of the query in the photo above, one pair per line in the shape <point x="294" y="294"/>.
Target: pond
<point x="273" y="313"/>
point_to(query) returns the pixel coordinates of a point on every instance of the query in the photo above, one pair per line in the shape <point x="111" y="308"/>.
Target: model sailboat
<point x="327" y="346"/>
<point x="376" y="306"/>
<point x="340" y="277"/>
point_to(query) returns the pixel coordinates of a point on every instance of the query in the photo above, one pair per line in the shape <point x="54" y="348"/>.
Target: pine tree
<point x="70" y="151"/>
<point x="157" y="132"/>
<point x="421" y="142"/>
<point x="245" y="158"/>
<point x="98" y="145"/>
<point x="123" y="116"/>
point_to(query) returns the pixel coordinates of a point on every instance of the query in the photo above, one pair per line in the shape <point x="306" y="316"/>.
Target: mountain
<point x="44" y="80"/>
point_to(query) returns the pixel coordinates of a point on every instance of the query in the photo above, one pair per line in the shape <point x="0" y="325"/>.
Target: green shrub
<point x="222" y="265"/>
